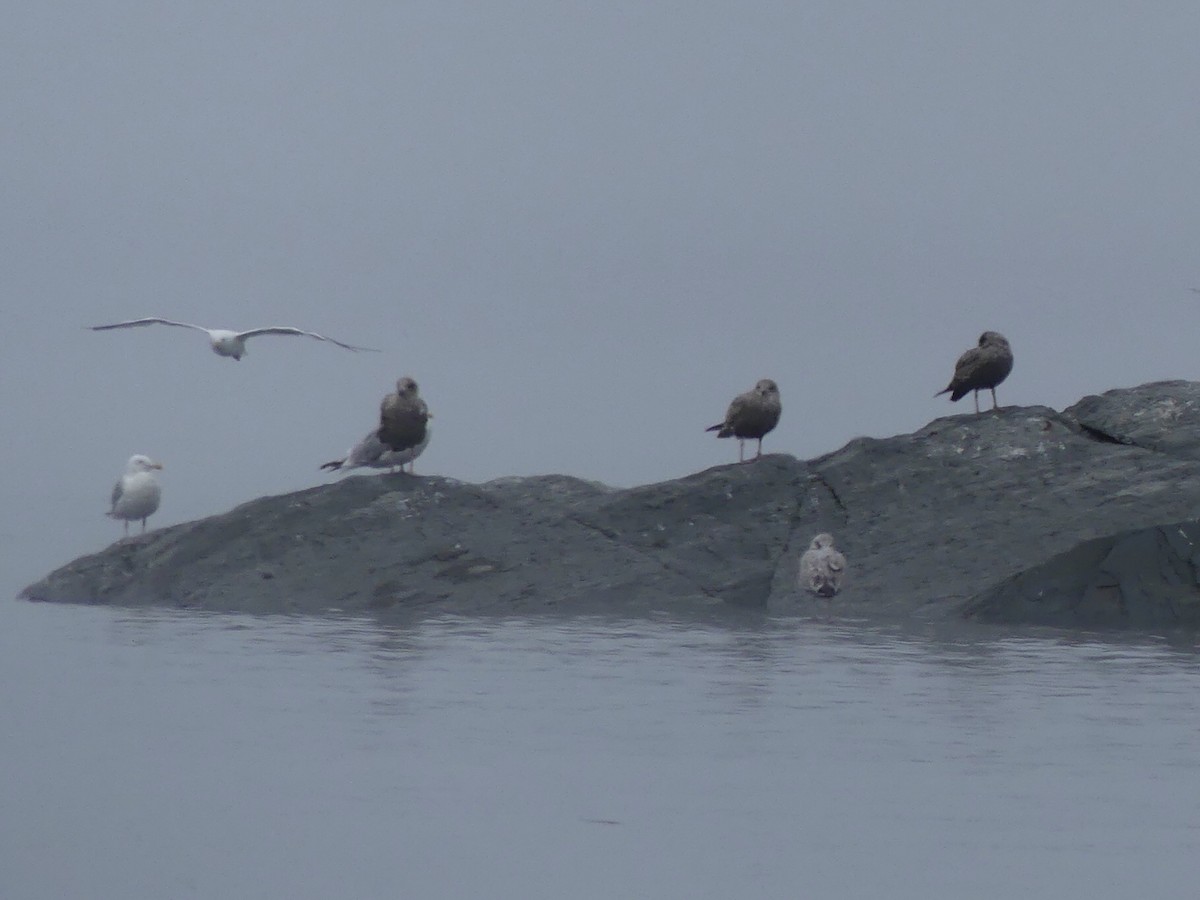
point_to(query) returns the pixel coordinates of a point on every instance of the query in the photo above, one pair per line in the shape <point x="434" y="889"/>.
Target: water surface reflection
<point x="152" y="754"/>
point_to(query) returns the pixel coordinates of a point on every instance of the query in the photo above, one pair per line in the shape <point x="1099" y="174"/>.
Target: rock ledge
<point x="1019" y="515"/>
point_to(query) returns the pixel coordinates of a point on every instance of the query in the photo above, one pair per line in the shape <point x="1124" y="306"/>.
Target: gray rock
<point x="516" y="544"/>
<point x="932" y="520"/>
<point x="1163" y="416"/>
<point x="1149" y="577"/>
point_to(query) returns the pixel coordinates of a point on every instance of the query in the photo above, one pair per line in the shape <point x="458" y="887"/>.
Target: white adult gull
<point x="229" y="343"/>
<point x="136" y="494"/>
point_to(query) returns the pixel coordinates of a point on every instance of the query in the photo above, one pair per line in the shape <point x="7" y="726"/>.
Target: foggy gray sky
<point x="582" y="229"/>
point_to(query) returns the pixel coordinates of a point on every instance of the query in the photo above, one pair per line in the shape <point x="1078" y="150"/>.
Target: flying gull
<point x="402" y="417"/>
<point x="984" y="366"/>
<point x="822" y="567"/>
<point x="229" y="343"/>
<point x="372" y="453"/>
<point x="136" y="495"/>
<point x="751" y="415"/>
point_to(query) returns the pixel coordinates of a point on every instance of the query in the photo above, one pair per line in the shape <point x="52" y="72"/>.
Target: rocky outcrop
<point x="973" y="514"/>
<point x="1142" y="578"/>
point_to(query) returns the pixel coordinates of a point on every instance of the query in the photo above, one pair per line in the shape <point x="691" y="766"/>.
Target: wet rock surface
<point x="1142" y="578"/>
<point x="972" y="515"/>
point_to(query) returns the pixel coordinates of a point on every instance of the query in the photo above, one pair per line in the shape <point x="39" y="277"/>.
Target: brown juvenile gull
<point x="136" y="493"/>
<point x="751" y="415"/>
<point x="373" y="453"/>
<point x="981" y="367"/>
<point x="402" y="417"/>
<point x="230" y="343"/>
<point x="822" y="567"/>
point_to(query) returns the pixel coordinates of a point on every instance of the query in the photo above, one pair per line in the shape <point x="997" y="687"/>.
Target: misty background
<point x="582" y="228"/>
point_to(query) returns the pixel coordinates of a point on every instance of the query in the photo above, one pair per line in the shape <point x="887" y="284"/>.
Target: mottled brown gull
<point x="136" y="494"/>
<point x="822" y="567"/>
<point x="984" y="366"/>
<point x="403" y="417"/>
<point x="373" y="453"/>
<point x="751" y="415"/>
<point x="230" y="343"/>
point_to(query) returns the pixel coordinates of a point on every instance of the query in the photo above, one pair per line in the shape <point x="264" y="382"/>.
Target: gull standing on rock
<point x="822" y="567"/>
<point x="136" y="494"/>
<point x="230" y="343"/>
<point x="402" y="417"/>
<point x="373" y="453"/>
<point x="751" y="415"/>
<point x="984" y="366"/>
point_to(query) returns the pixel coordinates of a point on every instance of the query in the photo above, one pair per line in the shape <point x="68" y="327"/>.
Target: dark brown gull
<point x="983" y="366"/>
<point x="751" y="415"/>
<point x="403" y="417"/>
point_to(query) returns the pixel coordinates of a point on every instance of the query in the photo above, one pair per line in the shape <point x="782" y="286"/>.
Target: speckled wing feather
<point x="822" y="567"/>
<point x="965" y="373"/>
<point x="737" y="414"/>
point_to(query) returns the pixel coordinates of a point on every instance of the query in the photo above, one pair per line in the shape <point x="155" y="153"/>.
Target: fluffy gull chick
<point x="751" y="415"/>
<point x="822" y="567"/>
<point x="403" y="417"/>
<point x="983" y="366"/>
<point x="229" y="343"/>
<point x="136" y="493"/>
<point x="373" y="453"/>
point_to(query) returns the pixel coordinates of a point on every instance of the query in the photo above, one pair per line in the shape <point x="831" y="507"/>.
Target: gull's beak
<point x="158" y="465"/>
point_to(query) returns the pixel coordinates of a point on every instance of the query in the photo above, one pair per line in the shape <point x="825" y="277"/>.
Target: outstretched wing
<point x="284" y="329"/>
<point x="137" y="323"/>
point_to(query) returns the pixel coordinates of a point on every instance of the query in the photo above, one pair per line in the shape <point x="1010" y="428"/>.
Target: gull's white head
<point x="821" y="541"/>
<point x="406" y="387"/>
<point x="139" y="463"/>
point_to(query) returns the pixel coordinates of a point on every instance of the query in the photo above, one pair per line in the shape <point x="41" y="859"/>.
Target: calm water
<point x="156" y="755"/>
